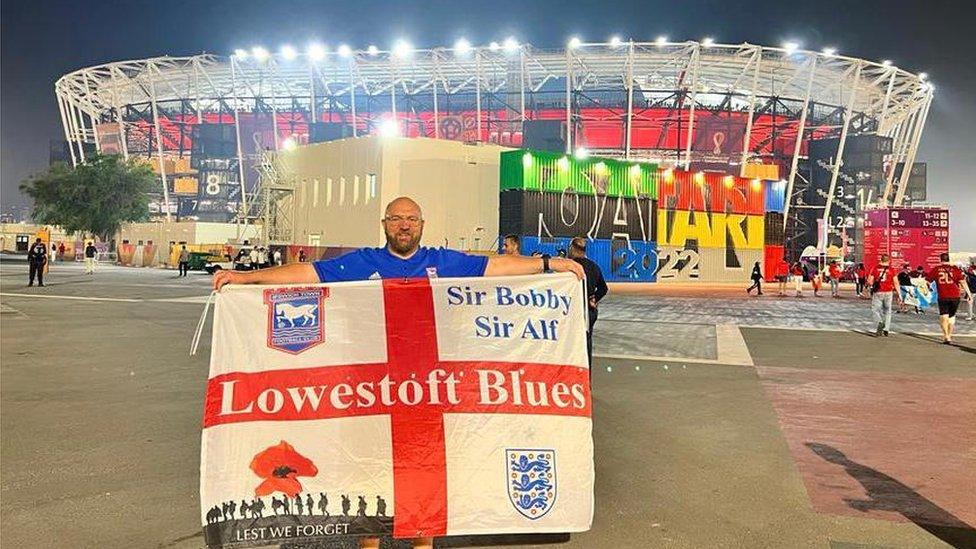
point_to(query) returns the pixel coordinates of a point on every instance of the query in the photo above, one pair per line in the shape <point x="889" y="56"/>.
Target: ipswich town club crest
<point x="531" y="480"/>
<point x="295" y="320"/>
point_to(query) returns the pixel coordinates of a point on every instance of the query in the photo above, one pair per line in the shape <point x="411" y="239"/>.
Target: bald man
<point x="402" y="257"/>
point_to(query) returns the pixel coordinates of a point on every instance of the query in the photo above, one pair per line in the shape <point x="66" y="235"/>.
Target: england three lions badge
<point x="295" y="318"/>
<point x="531" y="481"/>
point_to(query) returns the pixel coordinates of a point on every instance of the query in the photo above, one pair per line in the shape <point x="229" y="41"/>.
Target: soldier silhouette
<point x="258" y="508"/>
<point x="232" y="506"/>
<point x="244" y="509"/>
<point x="345" y="505"/>
<point x="361" y="511"/>
<point x="298" y="505"/>
<point x="287" y="502"/>
<point x="213" y="515"/>
<point x="323" y="503"/>
<point x="275" y="505"/>
<point x="380" y="507"/>
<point x="309" y="503"/>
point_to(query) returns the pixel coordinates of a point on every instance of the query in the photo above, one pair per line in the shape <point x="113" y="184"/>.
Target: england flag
<point x="397" y="407"/>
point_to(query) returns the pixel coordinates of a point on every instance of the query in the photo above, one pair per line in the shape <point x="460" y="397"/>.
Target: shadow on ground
<point x="888" y="494"/>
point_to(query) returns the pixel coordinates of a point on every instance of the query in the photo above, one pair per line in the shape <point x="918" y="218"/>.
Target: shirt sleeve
<point x="344" y="268"/>
<point x="454" y="263"/>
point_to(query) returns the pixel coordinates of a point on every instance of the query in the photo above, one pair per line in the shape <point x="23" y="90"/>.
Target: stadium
<point x="836" y="130"/>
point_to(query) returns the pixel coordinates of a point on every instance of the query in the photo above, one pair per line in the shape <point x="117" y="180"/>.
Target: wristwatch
<point x="545" y="263"/>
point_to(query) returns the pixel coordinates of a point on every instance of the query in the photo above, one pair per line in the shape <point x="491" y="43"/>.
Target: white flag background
<point x="413" y="408"/>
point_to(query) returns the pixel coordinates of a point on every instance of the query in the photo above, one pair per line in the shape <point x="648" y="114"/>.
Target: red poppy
<point x="278" y="466"/>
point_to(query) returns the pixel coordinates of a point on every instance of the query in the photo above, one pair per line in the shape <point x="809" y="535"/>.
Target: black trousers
<point x="36" y="269"/>
<point x="184" y="268"/>
<point x="589" y="340"/>
<point x="757" y="283"/>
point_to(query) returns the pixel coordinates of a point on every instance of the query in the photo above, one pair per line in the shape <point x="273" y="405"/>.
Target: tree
<point x="95" y="197"/>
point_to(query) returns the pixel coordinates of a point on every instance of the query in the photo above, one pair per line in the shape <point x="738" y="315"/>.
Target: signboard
<point x="916" y="236"/>
<point x="473" y="418"/>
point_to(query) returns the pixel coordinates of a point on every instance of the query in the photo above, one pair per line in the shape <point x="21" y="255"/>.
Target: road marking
<point x="73" y="297"/>
<point x="192" y="299"/>
<point x="730" y="346"/>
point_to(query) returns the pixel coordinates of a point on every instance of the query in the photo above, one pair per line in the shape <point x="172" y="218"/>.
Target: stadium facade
<point x="837" y="130"/>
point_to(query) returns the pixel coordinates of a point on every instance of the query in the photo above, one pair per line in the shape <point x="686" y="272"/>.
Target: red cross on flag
<point x="405" y="407"/>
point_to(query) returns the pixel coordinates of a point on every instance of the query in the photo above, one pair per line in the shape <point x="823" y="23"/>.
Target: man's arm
<point x="507" y="265"/>
<point x="297" y="273"/>
<point x="601" y="287"/>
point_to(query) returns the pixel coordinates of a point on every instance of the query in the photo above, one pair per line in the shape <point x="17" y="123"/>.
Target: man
<point x="90" y="253"/>
<point x="184" y="261"/>
<point x="949" y="283"/>
<point x="860" y="279"/>
<point x="255" y="258"/>
<point x="277" y="256"/>
<point x="36" y="258"/>
<point x="881" y="282"/>
<point x="596" y="288"/>
<point x="402" y="257"/>
<point x="799" y="272"/>
<point x="906" y="290"/>
<point x="511" y="245"/>
<point x="834" y="271"/>
<point x="971" y="291"/>
<point x="782" y="275"/>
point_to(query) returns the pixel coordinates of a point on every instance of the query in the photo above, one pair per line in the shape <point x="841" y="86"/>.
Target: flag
<point x="397" y="407"/>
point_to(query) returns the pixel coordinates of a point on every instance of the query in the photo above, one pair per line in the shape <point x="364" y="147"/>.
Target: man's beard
<point x="402" y="247"/>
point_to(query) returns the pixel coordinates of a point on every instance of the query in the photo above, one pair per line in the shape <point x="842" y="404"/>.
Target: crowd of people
<point x="885" y="287"/>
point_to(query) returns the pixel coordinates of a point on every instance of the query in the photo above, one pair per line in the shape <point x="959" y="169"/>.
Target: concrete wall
<point x="342" y="187"/>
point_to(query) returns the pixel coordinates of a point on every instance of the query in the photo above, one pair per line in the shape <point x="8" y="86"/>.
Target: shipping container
<point x="709" y="229"/>
<point x="542" y="214"/>
<point x="760" y="171"/>
<point x="710" y="191"/>
<point x="553" y="172"/>
<point x="706" y="264"/>
<point x="772" y="255"/>
<point x="775" y="195"/>
<point x="619" y="259"/>
<point x="774" y="233"/>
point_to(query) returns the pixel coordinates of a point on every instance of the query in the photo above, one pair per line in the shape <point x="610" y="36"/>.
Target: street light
<point x="288" y="53"/>
<point x="462" y="47"/>
<point x="315" y="52"/>
<point x="402" y="48"/>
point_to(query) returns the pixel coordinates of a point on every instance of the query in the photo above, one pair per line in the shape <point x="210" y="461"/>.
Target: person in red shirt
<point x="834" y="271"/>
<point x="782" y="273"/>
<point x="860" y="279"/>
<point x="949" y="282"/>
<point x="881" y="282"/>
<point x="797" y="271"/>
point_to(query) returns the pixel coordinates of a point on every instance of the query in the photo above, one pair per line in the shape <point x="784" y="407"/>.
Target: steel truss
<point x="782" y="94"/>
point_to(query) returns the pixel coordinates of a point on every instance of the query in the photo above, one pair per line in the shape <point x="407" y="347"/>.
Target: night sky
<point x="44" y="39"/>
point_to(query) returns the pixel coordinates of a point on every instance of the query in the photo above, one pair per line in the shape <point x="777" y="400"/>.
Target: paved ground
<point x="730" y="436"/>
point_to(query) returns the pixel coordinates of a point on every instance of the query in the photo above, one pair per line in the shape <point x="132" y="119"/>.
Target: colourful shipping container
<point x="532" y="213"/>
<point x="552" y="172"/>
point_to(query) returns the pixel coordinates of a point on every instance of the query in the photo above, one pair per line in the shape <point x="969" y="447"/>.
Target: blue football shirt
<point x="368" y="263"/>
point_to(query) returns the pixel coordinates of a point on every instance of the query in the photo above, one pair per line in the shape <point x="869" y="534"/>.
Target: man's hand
<point x="222" y="277"/>
<point x="563" y="265"/>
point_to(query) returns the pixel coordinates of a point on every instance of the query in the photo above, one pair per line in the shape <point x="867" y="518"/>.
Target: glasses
<point x="410" y="219"/>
